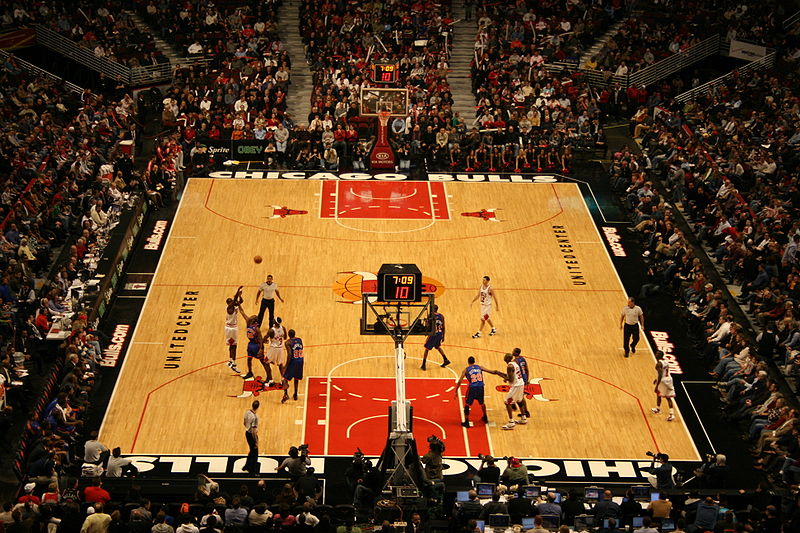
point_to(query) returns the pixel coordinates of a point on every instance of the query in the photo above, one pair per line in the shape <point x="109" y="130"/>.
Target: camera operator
<point x="713" y="472"/>
<point x="297" y="462"/>
<point x="515" y="473"/>
<point x="662" y="472"/>
<point x="368" y="487"/>
<point x="355" y="471"/>
<point x="433" y="460"/>
<point x="489" y="472"/>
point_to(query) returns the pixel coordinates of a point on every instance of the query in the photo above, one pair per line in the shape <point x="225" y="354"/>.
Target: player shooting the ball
<point x="232" y="326"/>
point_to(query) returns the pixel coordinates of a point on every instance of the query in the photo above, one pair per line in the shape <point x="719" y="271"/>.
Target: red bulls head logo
<point x="533" y="390"/>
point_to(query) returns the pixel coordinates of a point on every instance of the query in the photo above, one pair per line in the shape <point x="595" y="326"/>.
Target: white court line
<point x="144" y="308"/>
<point x="600" y="209"/>
<point x="688" y="397"/>
<point x="622" y="288"/>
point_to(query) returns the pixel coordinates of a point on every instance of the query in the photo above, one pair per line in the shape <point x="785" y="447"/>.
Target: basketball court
<point x="323" y="241"/>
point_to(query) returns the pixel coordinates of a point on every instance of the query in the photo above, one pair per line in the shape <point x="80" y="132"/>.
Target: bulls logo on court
<point x="533" y="390"/>
<point x="349" y="286"/>
<point x="283" y="212"/>
<point x="487" y="215"/>
<point x="255" y="386"/>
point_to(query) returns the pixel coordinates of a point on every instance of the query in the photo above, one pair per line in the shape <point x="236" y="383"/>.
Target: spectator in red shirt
<point x="96" y="493"/>
<point x="29" y="496"/>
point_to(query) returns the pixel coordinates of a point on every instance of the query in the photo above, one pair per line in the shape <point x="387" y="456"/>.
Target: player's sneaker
<point x="294" y="396"/>
<point x="232" y="366"/>
<point x="655" y="410"/>
<point x="485" y="419"/>
<point x="423" y="367"/>
<point x="510" y="425"/>
<point x="670" y="418"/>
<point x="493" y="332"/>
<point x="465" y="423"/>
<point x="285" y="398"/>
<point x="477" y="334"/>
<point x="522" y="421"/>
<point x="444" y="363"/>
<point x="248" y="375"/>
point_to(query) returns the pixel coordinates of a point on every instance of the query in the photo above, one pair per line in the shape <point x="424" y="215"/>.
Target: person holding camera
<point x="662" y="472"/>
<point x="515" y="473"/>
<point x="433" y="459"/>
<point x="297" y="463"/>
<point x="489" y="472"/>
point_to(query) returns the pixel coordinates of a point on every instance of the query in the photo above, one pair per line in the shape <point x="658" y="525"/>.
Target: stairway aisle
<point x="460" y="58"/>
<point x="298" y="99"/>
<point x="163" y="46"/>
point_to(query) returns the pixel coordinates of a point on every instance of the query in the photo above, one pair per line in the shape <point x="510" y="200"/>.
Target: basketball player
<point x="474" y="375"/>
<point x="516" y="392"/>
<point x="276" y="354"/>
<point x="294" y="365"/>
<point x="267" y="292"/>
<point x="665" y="388"/>
<point x="435" y="341"/>
<point x="523" y="368"/>
<point x="487" y="297"/>
<point x="255" y="346"/>
<point x="232" y="327"/>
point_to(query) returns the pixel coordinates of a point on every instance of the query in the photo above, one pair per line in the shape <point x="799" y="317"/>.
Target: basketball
<point x="257" y="259"/>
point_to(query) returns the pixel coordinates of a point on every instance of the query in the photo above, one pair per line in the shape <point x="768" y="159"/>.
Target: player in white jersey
<point x="516" y="392"/>
<point x="234" y="306"/>
<point x="665" y="388"/>
<point x="276" y="354"/>
<point x="487" y="297"/>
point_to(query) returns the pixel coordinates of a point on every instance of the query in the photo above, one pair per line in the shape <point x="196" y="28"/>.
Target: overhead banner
<point x="746" y="51"/>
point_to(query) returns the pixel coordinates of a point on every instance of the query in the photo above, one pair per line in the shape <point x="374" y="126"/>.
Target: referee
<point x="267" y="292"/>
<point x="629" y="322"/>
<point x="251" y="434"/>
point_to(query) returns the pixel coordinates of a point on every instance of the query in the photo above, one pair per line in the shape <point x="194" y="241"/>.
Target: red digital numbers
<point x="401" y="293"/>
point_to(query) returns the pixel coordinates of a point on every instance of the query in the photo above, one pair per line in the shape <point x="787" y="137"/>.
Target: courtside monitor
<point x="527" y="523"/>
<point x="607" y="525"/>
<point x="481" y="524"/>
<point x="667" y="525"/>
<point x="592" y="493"/>
<point x="462" y="496"/>
<point x="485" y="490"/>
<point x="641" y="492"/>
<point x="551" y="521"/>
<point x="638" y="521"/>
<point x="584" y="522"/>
<point x="655" y="496"/>
<point x="499" y="520"/>
<point x="532" y="491"/>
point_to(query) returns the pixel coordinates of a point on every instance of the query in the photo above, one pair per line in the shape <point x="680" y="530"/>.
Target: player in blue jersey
<point x="255" y="346"/>
<point x="294" y="364"/>
<point x="523" y="368"/>
<point x="435" y="341"/>
<point x="474" y="375"/>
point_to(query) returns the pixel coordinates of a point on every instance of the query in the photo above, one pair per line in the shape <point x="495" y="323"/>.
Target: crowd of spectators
<point x="104" y="27"/>
<point x="240" y="91"/>
<point x="63" y="182"/>
<point x="729" y="159"/>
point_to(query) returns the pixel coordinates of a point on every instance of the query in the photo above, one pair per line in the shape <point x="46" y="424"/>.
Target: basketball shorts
<point x="294" y="370"/>
<point x="474" y="394"/>
<point x="434" y="341"/>
<point x="231" y="336"/>
<point x="666" y="389"/>
<point x="515" y="394"/>
<point x="486" y="312"/>
<point x="252" y="350"/>
<point x="277" y="355"/>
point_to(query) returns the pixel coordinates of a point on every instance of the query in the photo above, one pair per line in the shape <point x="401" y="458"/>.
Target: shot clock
<point x="399" y="283"/>
<point x="384" y="72"/>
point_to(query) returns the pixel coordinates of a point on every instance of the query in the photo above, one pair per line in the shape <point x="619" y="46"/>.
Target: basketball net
<point x="383" y="117"/>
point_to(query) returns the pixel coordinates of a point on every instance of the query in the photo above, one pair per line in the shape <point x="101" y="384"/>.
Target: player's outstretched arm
<point x="458" y="381"/>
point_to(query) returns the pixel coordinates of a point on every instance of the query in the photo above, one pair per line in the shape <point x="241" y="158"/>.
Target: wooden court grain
<point x="559" y="300"/>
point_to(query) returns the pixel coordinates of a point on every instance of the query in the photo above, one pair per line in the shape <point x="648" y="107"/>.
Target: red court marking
<point x="272" y="229"/>
<point x="383" y="200"/>
<point x="360" y="406"/>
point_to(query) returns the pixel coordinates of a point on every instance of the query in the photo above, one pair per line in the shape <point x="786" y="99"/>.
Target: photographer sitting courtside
<point x="297" y="462"/>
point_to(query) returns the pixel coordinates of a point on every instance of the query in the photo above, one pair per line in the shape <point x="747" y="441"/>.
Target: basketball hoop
<point x="383" y="117"/>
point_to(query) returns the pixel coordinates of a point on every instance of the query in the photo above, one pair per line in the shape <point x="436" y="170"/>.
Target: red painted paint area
<point x="359" y="409"/>
<point x="385" y="200"/>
